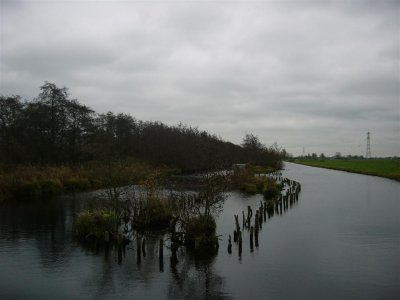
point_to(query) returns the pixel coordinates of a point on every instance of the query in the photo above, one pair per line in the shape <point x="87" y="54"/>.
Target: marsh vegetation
<point x="53" y="144"/>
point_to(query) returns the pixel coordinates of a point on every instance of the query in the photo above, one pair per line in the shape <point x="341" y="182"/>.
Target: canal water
<point x="340" y="240"/>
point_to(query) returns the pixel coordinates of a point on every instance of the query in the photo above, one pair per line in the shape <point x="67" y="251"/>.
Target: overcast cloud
<point x="313" y="74"/>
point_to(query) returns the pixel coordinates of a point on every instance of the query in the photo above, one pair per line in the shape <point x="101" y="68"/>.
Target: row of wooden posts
<point x="266" y="209"/>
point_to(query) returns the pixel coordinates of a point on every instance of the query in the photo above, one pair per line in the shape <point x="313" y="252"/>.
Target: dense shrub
<point x="271" y="188"/>
<point x="94" y="224"/>
<point x="200" y="233"/>
<point x="249" y="188"/>
<point x="245" y="180"/>
<point x="154" y="213"/>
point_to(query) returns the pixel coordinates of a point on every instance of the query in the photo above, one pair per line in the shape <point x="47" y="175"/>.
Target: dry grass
<point x="27" y="181"/>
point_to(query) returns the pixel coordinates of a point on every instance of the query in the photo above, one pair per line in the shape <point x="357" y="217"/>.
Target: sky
<point x="315" y="74"/>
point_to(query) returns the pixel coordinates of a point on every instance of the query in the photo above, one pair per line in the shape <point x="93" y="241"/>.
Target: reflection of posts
<point x="161" y="255"/>
<point x="119" y="254"/>
<point x="144" y="246"/>
<point x="256" y="221"/>
<point x="229" y="245"/>
<point x="174" y="257"/>
<point x="138" y="250"/>
<point x="256" y="238"/>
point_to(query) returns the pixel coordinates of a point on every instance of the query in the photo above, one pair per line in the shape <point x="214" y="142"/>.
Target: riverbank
<point x="388" y="168"/>
<point x="28" y="182"/>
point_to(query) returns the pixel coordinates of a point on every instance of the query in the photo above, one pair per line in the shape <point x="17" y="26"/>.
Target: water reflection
<point x="189" y="276"/>
<point x="195" y="278"/>
<point x="342" y="242"/>
<point x="47" y="223"/>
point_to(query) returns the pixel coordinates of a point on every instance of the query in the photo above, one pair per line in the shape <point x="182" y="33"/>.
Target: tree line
<point x="55" y="129"/>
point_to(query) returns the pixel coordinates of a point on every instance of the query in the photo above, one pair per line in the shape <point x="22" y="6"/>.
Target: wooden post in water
<point x="251" y="238"/>
<point x="257" y="226"/>
<point x="249" y="215"/>
<point x="237" y="222"/>
<point x="229" y="245"/>
<point x="161" y="255"/>
<point x="265" y="212"/>
<point x="240" y="245"/>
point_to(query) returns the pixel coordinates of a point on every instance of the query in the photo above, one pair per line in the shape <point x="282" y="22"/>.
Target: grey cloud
<point x="375" y="87"/>
<point x="45" y="60"/>
<point x="305" y="73"/>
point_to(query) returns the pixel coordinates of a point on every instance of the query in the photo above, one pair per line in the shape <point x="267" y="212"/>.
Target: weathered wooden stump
<point x="240" y="245"/>
<point x="251" y="238"/>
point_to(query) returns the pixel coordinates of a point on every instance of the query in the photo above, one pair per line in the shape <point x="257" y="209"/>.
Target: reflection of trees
<point x="48" y="222"/>
<point x="195" y="278"/>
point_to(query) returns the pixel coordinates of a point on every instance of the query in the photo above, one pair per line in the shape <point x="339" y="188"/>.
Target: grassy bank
<point x="388" y="168"/>
<point x="27" y="182"/>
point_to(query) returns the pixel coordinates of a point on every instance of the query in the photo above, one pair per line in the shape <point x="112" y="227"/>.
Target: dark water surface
<point x="341" y="240"/>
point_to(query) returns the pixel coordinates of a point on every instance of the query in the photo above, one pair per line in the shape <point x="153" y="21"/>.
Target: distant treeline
<point x="54" y="129"/>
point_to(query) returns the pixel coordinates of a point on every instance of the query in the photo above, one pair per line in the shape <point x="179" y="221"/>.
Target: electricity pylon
<point x="368" y="154"/>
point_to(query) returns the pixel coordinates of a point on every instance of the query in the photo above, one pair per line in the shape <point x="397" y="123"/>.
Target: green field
<point x="389" y="168"/>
